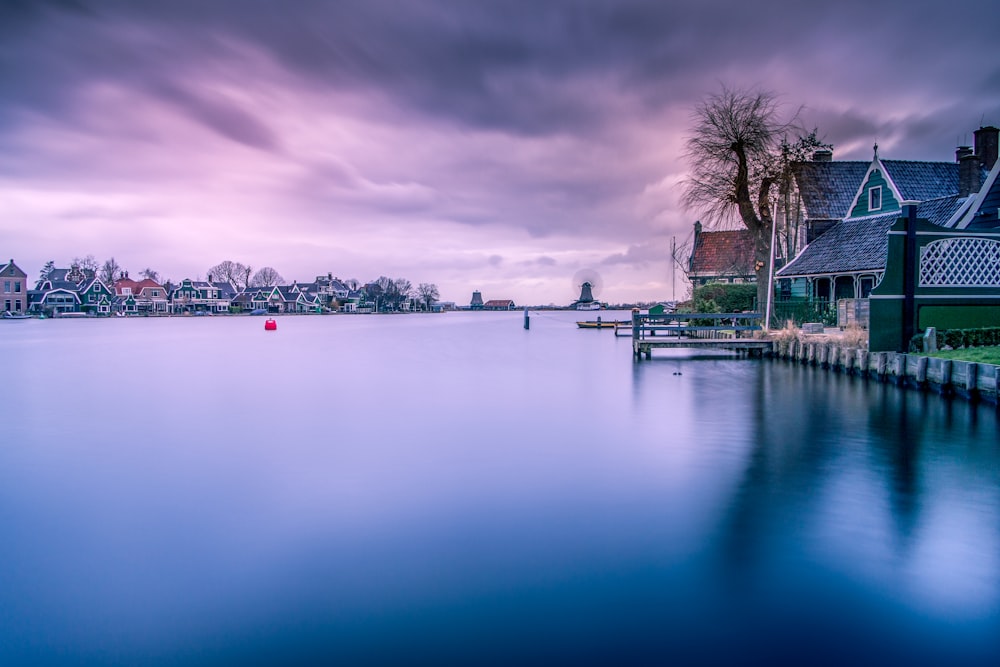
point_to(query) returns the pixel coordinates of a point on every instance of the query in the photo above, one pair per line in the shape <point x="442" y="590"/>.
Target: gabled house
<point x="193" y="296"/>
<point x="848" y="259"/>
<point x="724" y="256"/>
<point x="146" y="296"/>
<point x="95" y="297"/>
<point x="13" y="288"/>
<point x="60" y="291"/>
<point x="499" y="304"/>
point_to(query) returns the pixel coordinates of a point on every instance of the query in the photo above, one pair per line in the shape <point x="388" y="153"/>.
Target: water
<point x="453" y="489"/>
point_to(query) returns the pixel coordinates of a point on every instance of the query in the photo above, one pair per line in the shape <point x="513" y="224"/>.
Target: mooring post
<point x="635" y="335"/>
<point x="527" y="322"/>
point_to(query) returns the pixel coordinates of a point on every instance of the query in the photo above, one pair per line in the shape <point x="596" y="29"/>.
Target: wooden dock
<point x="723" y="331"/>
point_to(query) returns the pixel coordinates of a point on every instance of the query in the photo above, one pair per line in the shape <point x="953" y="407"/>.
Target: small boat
<point x="258" y="311"/>
<point x="602" y="324"/>
<point x="270" y="325"/>
<point x="7" y="315"/>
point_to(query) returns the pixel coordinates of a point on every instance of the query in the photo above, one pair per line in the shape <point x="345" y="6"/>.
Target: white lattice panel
<point x="960" y="262"/>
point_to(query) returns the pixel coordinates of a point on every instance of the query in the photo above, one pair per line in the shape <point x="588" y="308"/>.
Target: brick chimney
<point x="962" y="151"/>
<point x="969" y="175"/>
<point x="986" y="139"/>
<point x="822" y="155"/>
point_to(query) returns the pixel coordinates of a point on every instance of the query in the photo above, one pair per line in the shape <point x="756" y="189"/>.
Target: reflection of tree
<point x="792" y="435"/>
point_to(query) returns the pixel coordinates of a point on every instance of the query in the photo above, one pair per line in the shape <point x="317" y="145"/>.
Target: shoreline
<point x="969" y="380"/>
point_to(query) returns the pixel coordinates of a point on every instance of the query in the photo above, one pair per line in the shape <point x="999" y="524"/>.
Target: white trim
<point x="923" y="296"/>
<point x="876" y="165"/>
<point x="871" y="195"/>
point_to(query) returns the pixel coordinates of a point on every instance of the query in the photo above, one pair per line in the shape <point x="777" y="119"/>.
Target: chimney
<point x="962" y="151"/>
<point x="823" y="155"/>
<point x="210" y="278"/>
<point x="986" y="145"/>
<point x="969" y="175"/>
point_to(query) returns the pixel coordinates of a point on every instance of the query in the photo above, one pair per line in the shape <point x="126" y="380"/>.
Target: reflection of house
<point x="848" y="259"/>
<point x="499" y="304"/>
<point x="725" y="257"/>
<point x="13" y="288"/>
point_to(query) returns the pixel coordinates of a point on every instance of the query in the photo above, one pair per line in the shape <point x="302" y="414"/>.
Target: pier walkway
<point x="726" y="331"/>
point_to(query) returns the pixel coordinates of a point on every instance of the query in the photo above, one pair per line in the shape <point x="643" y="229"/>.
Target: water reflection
<point x="482" y="494"/>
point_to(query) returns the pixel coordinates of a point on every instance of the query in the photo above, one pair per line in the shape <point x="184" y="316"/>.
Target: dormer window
<point x="875" y="198"/>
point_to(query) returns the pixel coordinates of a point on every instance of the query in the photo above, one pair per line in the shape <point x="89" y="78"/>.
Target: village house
<point x="193" y="296"/>
<point x="499" y="304"/>
<point x="146" y="296"/>
<point x="721" y="257"/>
<point x="847" y="258"/>
<point x="13" y="288"/>
<point x="59" y="291"/>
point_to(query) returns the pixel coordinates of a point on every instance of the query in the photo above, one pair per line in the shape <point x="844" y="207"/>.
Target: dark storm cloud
<point x="520" y="66"/>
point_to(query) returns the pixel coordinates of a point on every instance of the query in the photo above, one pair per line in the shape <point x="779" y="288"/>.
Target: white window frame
<point x="875" y="191"/>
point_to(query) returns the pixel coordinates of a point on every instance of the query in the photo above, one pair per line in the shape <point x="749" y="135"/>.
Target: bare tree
<point x="150" y="274"/>
<point x="88" y="263"/>
<point x="236" y="273"/>
<point x="352" y="283"/>
<point x="266" y="277"/>
<point x="428" y="293"/>
<point x="735" y="158"/>
<point x="110" y="271"/>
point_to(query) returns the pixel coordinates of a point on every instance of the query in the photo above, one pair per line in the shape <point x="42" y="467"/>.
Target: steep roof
<point x="920" y="181"/>
<point x="12" y="269"/>
<point x="828" y="188"/>
<point x="860" y="244"/>
<point x="723" y="252"/>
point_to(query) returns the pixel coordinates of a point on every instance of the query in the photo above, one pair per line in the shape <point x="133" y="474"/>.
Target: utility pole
<point x="673" y="268"/>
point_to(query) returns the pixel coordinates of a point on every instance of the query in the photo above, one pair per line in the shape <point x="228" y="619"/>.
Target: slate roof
<point x="860" y="244"/>
<point x="921" y="181"/>
<point x="828" y="188"/>
<point x="721" y="253"/>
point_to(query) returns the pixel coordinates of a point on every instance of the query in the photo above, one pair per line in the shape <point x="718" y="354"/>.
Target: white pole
<point x="770" y="274"/>
<point x="673" y="268"/>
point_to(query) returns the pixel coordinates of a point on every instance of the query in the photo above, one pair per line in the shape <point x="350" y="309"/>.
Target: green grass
<point x="980" y="355"/>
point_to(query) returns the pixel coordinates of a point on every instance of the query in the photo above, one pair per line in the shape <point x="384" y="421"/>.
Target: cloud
<point x="479" y="140"/>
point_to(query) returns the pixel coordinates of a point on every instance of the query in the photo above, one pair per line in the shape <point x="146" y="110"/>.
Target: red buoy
<point x="270" y="325"/>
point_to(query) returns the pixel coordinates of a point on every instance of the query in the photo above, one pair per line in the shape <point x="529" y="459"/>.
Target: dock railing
<point x="725" y="330"/>
<point x="695" y="325"/>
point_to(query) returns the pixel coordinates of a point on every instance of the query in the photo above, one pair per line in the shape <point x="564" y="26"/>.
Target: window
<point x="6" y="286"/>
<point x="875" y="198"/>
<point x="17" y="286"/>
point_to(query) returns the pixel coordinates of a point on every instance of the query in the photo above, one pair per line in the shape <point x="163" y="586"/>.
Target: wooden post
<point x="527" y="322"/>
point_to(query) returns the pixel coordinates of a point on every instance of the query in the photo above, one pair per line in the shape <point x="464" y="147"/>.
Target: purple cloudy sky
<point x="492" y="145"/>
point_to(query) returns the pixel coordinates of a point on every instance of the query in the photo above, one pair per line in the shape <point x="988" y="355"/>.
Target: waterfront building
<point x="847" y="258"/>
<point x="59" y="291"/>
<point x="499" y="304"/>
<point x="13" y="288"/>
<point x="721" y="257"/>
<point x="193" y="296"/>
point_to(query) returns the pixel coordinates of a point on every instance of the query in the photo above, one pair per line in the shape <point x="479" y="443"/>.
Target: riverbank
<point x="966" y="379"/>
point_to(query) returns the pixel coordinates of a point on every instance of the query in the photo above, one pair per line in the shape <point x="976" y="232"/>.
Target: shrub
<point x="728" y="297"/>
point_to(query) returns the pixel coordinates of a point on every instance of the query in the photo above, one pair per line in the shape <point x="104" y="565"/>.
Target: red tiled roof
<point x="723" y="253"/>
<point x="498" y="303"/>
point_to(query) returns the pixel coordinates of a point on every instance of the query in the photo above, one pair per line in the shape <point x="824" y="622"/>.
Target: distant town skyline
<point x="493" y="146"/>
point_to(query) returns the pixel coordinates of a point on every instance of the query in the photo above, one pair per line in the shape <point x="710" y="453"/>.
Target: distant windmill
<point x="587" y="283"/>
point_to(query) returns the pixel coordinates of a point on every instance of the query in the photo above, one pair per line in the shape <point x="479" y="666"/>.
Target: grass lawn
<point x="980" y="355"/>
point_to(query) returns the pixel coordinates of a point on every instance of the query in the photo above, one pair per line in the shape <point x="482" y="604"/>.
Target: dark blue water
<point x="452" y="489"/>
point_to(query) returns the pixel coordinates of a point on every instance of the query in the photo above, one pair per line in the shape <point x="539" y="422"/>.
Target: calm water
<point x="454" y="489"/>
